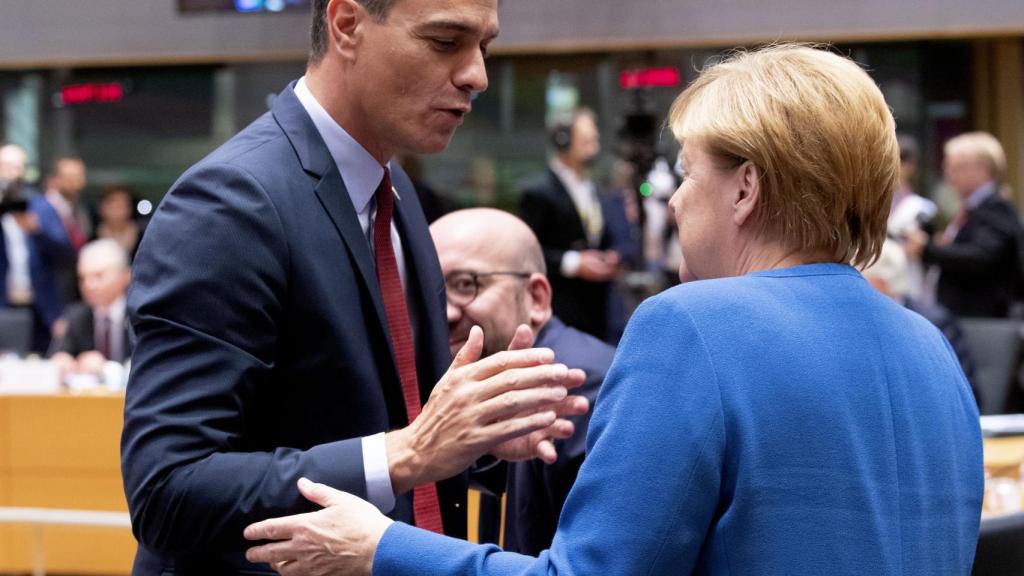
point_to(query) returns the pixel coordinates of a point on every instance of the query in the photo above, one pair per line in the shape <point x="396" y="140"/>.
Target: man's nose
<point x="472" y="75"/>
<point x="454" y="313"/>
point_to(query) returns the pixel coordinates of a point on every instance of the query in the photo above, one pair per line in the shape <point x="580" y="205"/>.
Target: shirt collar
<point x="566" y="174"/>
<point x="980" y="195"/>
<point x="59" y="203"/>
<point x="359" y="170"/>
<point x="115" y="311"/>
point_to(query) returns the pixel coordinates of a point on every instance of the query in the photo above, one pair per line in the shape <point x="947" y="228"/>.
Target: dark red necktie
<point x="103" y="343"/>
<point x="74" y="232"/>
<point x="425" y="504"/>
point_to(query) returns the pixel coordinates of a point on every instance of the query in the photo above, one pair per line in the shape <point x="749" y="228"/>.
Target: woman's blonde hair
<point x="819" y="130"/>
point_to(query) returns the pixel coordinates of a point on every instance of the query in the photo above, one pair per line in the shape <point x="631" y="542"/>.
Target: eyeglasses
<point x="462" y="286"/>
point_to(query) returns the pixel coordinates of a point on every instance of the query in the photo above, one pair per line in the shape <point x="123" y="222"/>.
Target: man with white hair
<point x="96" y="328"/>
<point x="978" y="255"/>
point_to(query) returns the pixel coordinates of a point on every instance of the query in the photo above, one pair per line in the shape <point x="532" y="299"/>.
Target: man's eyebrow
<point x="457" y="27"/>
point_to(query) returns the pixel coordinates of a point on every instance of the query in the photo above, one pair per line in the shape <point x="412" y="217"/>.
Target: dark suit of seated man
<point x="96" y="329"/>
<point x="494" y="272"/>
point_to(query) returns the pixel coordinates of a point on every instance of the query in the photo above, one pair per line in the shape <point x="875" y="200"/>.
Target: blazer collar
<point x="330" y="190"/>
<point x="301" y="132"/>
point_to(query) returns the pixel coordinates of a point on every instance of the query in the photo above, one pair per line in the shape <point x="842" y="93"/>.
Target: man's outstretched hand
<point x="511" y="404"/>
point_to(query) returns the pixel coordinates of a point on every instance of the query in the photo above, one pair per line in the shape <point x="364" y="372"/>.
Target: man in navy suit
<point x="496" y="277"/>
<point x="287" y="327"/>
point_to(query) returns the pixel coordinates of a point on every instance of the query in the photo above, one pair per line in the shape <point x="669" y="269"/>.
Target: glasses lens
<point x="460" y="288"/>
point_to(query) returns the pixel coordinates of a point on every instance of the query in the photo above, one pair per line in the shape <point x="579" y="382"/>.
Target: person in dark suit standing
<point x="977" y="257"/>
<point x="33" y="246"/>
<point x="97" y="329"/>
<point x="289" y="308"/>
<point x="496" y="279"/>
<point x="564" y="209"/>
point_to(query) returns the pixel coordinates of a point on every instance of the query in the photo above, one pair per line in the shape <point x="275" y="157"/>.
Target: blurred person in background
<point x="910" y="212"/>
<point x="891" y="276"/>
<point x="64" y="186"/>
<point x="97" y="328"/>
<point x="774" y="414"/>
<point x="495" y="278"/>
<point x="661" y="236"/>
<point x="977" y="256"/>
<point x="288" y="308"/>
<point x="117" y="218"/>
<point x="624" y="220"/>
<point x="434" y="204"/>
<point x="564" y="208"/>
<point x="33" y="246"/>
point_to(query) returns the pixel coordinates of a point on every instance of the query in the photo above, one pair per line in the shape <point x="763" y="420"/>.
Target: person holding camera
<point x="32" y="244"/>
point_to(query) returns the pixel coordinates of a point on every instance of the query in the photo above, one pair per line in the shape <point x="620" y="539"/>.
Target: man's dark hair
<point x="378" y="9"/>
<point x="55" y="165"/>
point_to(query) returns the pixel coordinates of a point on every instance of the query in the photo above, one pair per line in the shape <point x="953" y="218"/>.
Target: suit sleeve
<point x="536" y="211"/>
<point x="648" y="490"/>
<point x="206" y="304"/>
<point x="987" y="247"/>
<point x="73" y="341"/>
<point x="51" y="238"/>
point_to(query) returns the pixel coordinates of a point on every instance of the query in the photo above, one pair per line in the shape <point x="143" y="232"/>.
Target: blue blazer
<point x="47" y="248"/>
<point x="791" y="421"/>
<point x="262" y="352"/>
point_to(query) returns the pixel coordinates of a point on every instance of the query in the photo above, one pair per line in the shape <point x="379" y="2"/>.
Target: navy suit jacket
<point x="981" y="268"/>
<point x="48" y="247"/>
<point x="261" y="349"/>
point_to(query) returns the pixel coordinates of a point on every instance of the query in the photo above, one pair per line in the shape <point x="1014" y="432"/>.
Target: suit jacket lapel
<point x="568" y="206"/>
<point x="330" y="191"/>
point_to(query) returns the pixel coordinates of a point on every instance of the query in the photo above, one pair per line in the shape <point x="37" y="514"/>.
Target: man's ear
<point x="344" y="25"/>
<point x="748" y="192"/>
<point x="539" y="290"/>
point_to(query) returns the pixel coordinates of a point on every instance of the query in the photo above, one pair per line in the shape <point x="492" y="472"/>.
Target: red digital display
<point x="88" y="93"/>
<point x="649" y="78"/>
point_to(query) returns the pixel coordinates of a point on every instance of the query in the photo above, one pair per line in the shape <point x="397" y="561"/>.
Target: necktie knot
<point x="385" y="198"/>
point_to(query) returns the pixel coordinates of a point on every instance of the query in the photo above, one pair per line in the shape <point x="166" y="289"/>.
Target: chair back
<point x="995" y="344"/>
<point x="15" y="330"/>
<point x="1000" y="550"/>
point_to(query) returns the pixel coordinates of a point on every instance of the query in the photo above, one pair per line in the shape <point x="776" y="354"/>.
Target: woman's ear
<point x="748" y="192"/>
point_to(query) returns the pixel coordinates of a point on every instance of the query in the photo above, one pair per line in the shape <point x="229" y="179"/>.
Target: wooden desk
<point x="1004" y="455"/>
<point x="62" y="451"/>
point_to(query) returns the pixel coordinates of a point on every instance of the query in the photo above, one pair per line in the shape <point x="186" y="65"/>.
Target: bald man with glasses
<point x="495" y="278"/>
